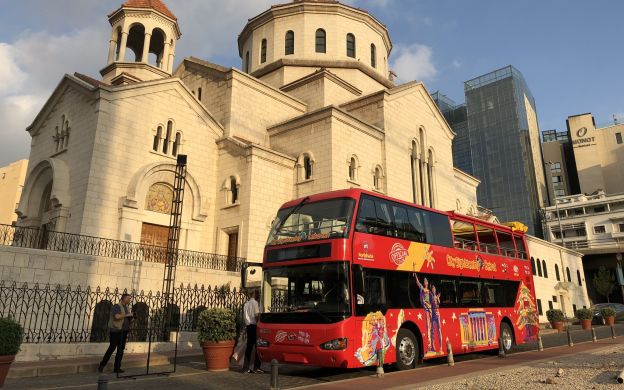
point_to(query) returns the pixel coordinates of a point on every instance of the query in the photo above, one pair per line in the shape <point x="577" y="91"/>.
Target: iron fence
<point x="35" y="238"/>
<point x="57" y="314"/>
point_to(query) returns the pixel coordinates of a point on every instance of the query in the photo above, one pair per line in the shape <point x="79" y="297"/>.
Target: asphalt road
<point x="191" y="375"/>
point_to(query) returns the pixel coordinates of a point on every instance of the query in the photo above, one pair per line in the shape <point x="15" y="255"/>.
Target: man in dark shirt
<point x="119" y="325"/>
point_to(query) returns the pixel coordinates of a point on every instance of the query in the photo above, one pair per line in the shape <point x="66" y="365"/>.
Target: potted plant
<point x="216" y="332"/>
<point x="608" y="314"/>
<point x="555" y="317"/>
<point x="585" y="316"/>
<point x="11" y="335"/>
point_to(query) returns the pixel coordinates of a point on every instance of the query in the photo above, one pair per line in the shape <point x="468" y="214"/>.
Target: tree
<point x="604" y="282"/>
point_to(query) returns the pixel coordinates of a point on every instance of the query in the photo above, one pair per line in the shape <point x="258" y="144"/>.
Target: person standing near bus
<point x="119" y="325"/>
<point x="425" y="301"/>
<point x="251" y="312"/>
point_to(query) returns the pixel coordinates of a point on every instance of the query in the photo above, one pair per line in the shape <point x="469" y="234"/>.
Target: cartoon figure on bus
<point x="527" y="313"/>
<point x="375" y="340"/>
<point x="430" y="301"/>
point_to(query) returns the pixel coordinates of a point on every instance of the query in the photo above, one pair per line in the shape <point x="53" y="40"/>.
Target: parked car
<point x="618" y="307"/>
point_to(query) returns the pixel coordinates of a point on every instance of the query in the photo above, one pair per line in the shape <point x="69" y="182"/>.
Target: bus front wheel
<point x="506" y="336"/>
<point x="406" y="349"/>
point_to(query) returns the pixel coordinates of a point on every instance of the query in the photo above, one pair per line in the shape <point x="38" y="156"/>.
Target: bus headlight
<point x="335" y="345"/>
<point x="260" y="342"/>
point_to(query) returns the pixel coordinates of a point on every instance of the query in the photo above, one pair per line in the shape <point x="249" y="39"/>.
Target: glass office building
<point x="455" y="115"/>
<point x="505" y="151"/>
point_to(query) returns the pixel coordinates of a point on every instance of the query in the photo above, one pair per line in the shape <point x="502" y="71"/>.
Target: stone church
<point x="313" y="109"/>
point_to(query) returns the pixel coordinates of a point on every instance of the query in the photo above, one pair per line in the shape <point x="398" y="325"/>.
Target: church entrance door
<point x="155" y="237"/>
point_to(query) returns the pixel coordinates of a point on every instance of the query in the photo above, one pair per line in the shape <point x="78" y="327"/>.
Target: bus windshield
<point x="312" y="221"/>
<point x="309" y="293"/>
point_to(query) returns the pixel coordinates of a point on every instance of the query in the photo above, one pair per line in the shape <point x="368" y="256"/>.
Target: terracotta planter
<point x="586" y="324"/>
<point x="5" y="364"/>
<point x="557" y="325"/>
<point x="217" y="355"/>
<point x="609" y="320"/>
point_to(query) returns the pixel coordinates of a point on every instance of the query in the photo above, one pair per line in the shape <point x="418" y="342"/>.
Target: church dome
<point x="309" y="33"/>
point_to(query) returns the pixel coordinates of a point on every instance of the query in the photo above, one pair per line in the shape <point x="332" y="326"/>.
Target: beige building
<point x="558" y="276"/>
<point x="313" y="110"/>
<point x="11" y="183"/>
<point x="599" y="154"/>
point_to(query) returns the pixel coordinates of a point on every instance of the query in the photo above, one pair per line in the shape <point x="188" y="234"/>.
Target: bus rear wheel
<point x="406" y="350"/>
<point x="506" y="336"/>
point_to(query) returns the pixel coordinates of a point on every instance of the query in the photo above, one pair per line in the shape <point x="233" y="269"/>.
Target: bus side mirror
<point x="247" y="268"/>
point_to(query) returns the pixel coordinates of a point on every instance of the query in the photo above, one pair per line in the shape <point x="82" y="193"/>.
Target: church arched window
<point x="353" y="167"/>
<point x="232" y="190"/>
<point x="177" y="144"/>
<point x="378" y="178"/>
<point x="157" y="138"/>
<point x="373" y="55"/>
<point x="305" y="166"/>
<point x="165" y="148"/>
<point x="289" y="44"/>
<point x="321" y="41"/>
<point x="246" y="63"/>
<point x="350" y="45"/>
<point x="263" y="51"/>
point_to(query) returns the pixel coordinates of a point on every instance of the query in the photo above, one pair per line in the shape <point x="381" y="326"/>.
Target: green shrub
<point x="11" y="335"/>
<point x="607" y="312"/>
<point x="216" y="325"/>
<point x="584" y="314"/>
<point x="554" y="315"/>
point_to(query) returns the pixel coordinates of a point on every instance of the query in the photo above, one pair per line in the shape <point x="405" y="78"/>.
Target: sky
<point x="569" y="51"/>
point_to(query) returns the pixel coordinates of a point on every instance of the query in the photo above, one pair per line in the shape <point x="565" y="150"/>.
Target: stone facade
<point x="99" y="147"/>
<point x="552" y="265"/>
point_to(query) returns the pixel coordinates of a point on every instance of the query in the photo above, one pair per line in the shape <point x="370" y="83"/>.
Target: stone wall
<point x="24" y="265"/>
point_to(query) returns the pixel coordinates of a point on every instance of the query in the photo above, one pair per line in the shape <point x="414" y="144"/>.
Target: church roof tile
<point x="156" y="5"/>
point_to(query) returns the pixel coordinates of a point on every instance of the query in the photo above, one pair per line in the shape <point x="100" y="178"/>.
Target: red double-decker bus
<point x="352" y="278"/>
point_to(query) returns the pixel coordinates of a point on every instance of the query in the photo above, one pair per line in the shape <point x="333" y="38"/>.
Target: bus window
<point x="469" y="293"/>
<point x="374" y="294"/>
<point x="402" y="290"/>
<point x="401" y="223"/>
<point x="384" y="219"/>
<point x="521" y="250"/>
<point x="506" y="244"/>
<point x="464" y="236"/>
<point x="487" y="239"/>
<point x="448" y="294"/>
<point x="374" y="217"/>
<point x="417" y="225"/>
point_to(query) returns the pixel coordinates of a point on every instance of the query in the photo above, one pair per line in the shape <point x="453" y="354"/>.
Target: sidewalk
<point x="90" y="364"/>
<point x="443" y="374"/>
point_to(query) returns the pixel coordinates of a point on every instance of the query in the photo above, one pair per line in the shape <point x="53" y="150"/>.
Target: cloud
<point x="30" y="68"/>
<point x="456" y="63"/>
<point x="413" y="62"/>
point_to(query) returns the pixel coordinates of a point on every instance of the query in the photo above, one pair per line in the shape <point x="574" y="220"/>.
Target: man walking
<point x="251" y="311"/>
<point x="118" y="325"/>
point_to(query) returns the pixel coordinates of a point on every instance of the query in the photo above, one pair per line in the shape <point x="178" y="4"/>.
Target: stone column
<point x="111" y="51"/>
<point x="146" y="44"/>
<point x="164" y="65"/>
<point x="122" y="46"/>
<point x="171" y="57"/>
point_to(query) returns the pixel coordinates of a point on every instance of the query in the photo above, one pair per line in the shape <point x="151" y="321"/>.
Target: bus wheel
<point x="507" y="336"/>
<point x="406" y="350"/>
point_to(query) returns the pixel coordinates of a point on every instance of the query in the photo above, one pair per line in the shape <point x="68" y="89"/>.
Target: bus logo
<point x="398" y="254"/>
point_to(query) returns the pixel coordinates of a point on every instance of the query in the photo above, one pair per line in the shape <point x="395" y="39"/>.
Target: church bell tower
<point x="142" y="45"/>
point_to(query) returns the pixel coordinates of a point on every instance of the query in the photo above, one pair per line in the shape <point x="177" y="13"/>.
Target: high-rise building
<point x="11" y="184"/>
<point x="455" y="115"/>
<point x="505" y="146"/>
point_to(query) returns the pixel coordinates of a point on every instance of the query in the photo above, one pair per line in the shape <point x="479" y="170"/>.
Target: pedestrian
<point x="118" y="325"/>
<point x="251" y="312"/>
